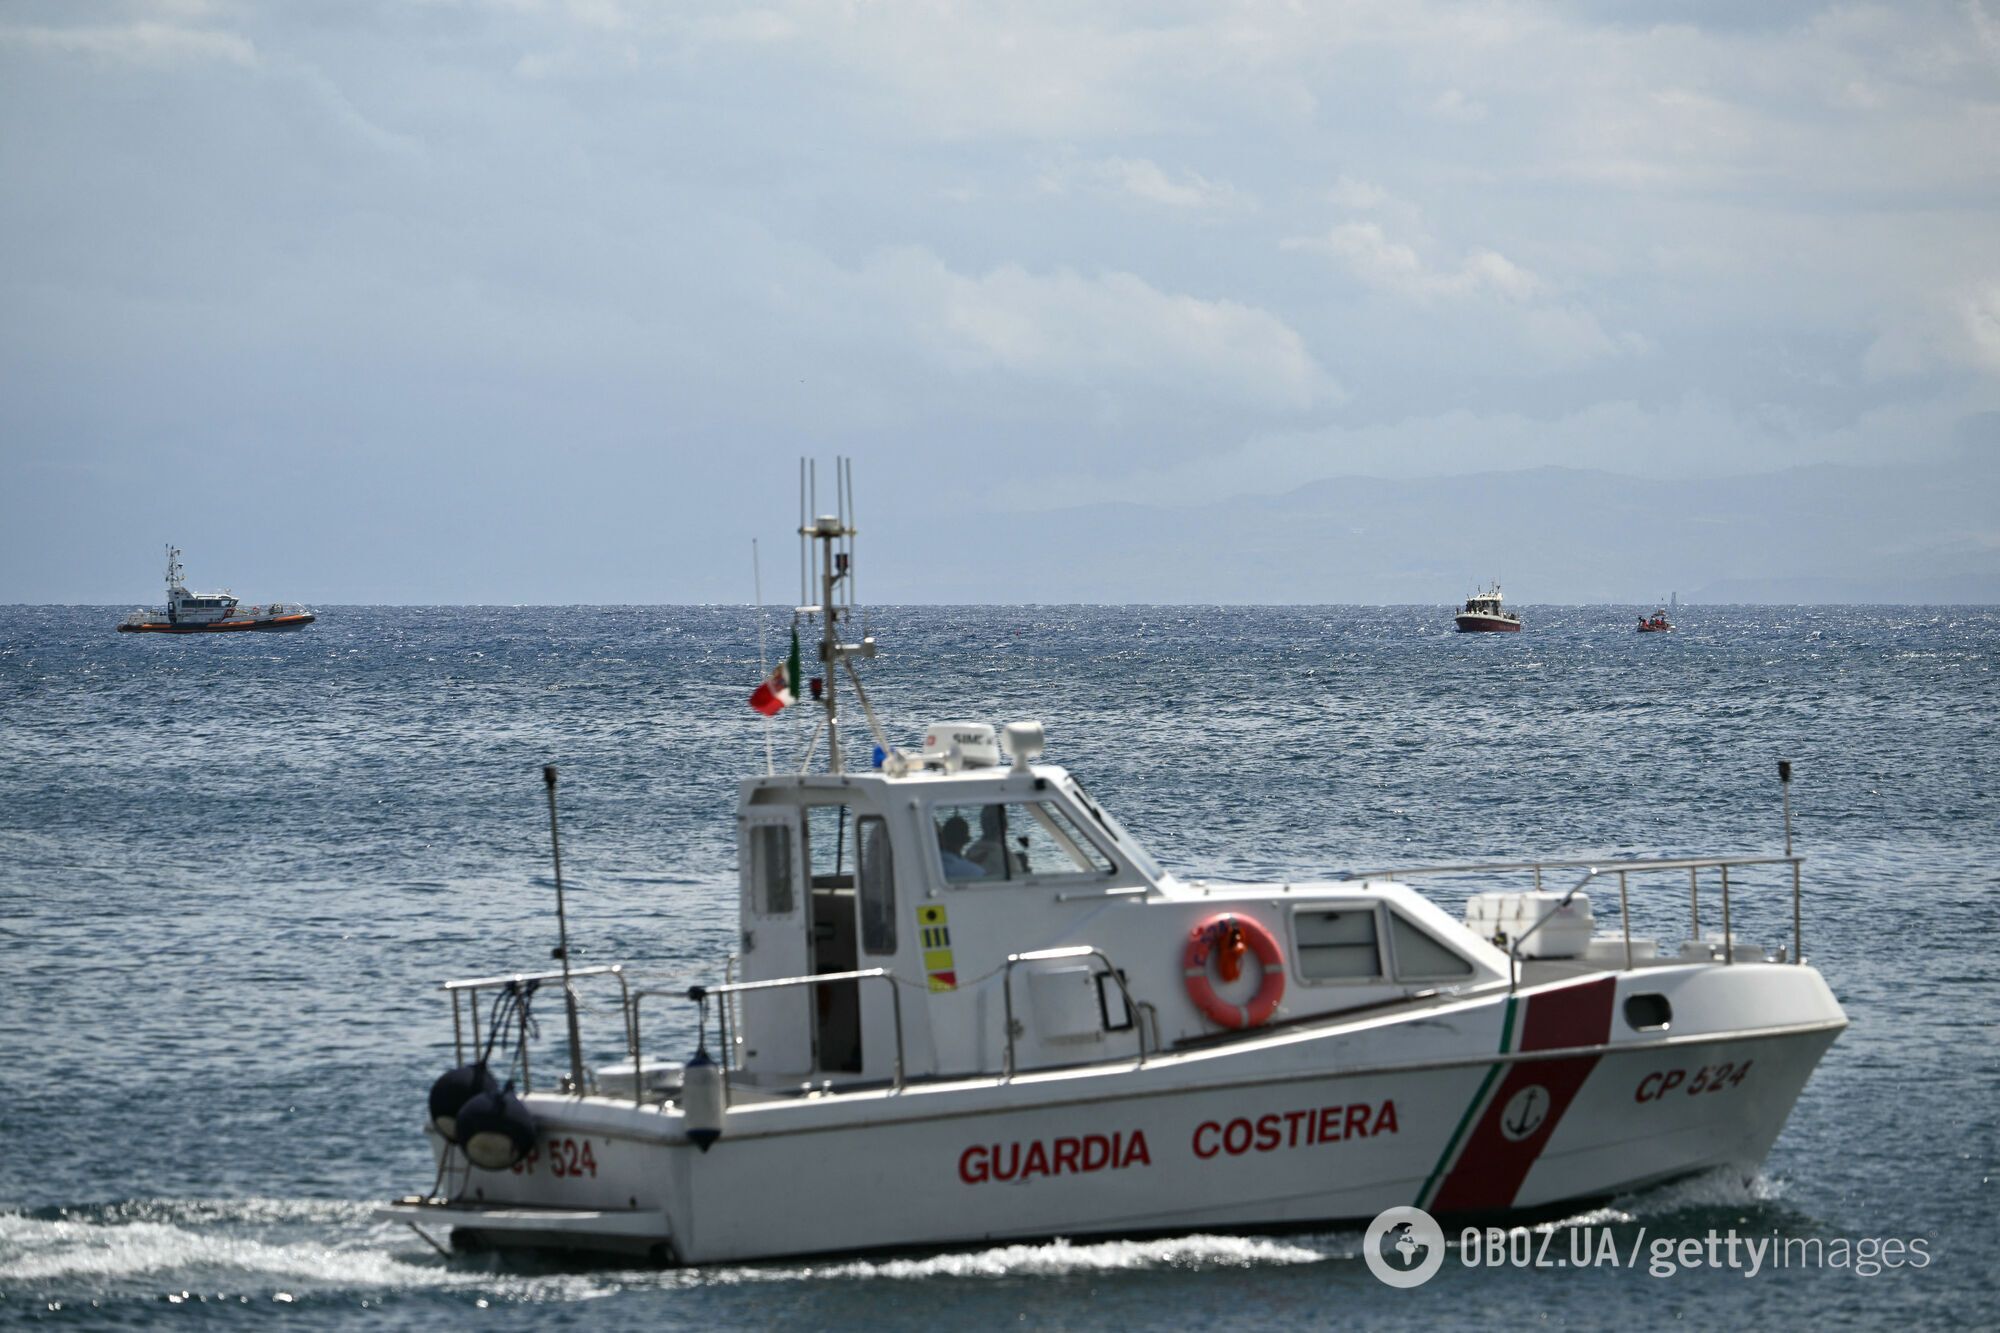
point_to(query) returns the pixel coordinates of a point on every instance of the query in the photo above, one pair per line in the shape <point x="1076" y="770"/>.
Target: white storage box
<point x="1504" y="918"/>
<point x="1708" y="949"/>
<point x="663" y="1079"/>
<point x="1611" y="949"/>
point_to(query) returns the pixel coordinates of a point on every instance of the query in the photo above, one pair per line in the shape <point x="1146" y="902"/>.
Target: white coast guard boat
<point x="970" y="1006"/>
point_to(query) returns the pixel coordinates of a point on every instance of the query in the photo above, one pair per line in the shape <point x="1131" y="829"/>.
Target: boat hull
<point x="1470" y="623"/>
<point x="279" y="623"/>
<point x="1524" y="1102"/>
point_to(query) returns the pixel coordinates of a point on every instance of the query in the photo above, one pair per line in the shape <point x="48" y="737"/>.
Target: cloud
<point x="140" y="43"/>
<point x="1485" y="284"/>
<point x="1366" y="252"/>
<point x="1357" y="196"/>
<point x="1453" y="105"/>
<point x="1144" y="179"/>
<point x="1959" y="330"/>
<point x="1979" y="309"/>
<point x="1113" y="328"/>
<point x="1986" y="27"/>
<point x="1693" y="436"/>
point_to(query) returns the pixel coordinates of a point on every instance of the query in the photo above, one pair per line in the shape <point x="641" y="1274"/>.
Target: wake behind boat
<point x="969" y="1005"/>
<point x="209" y="612"/>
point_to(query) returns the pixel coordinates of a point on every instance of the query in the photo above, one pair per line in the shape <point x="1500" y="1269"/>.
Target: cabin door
<point x="830" y="833"/>
<point x="777" y="1025"/>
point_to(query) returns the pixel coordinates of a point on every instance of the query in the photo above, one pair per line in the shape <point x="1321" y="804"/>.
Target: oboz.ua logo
<point x="1404" y="1247"/>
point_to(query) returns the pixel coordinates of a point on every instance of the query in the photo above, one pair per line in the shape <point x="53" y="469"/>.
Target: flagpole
<point x="763" y="655"/>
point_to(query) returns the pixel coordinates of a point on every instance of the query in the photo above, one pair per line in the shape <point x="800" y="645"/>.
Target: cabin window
<point x="876" y="871"/>
<point x="771" y="868"/>
<point x="1421" y="958"/>
<point x="1116" y="831"/>
<point x="829" y="833"/>
<point x="1648" y="1013"/>
<point x="1338" y="945"/>
<point x="994" y="842"/>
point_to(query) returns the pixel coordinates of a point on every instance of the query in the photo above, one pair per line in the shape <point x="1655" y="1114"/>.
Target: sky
<point x="529" y="301"/>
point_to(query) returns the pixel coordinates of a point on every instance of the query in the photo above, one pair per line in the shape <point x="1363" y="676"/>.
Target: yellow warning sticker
<point x="935" y="933"/>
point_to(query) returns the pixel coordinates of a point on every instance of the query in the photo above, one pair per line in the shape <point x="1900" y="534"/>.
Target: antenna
<point x="831" y="537"/>
<point x="812" y="515"/>
<point x="1798" y="912"/>
<point x="763" y="656"/>
<point x="847" y="517"/>
<point x="1785" y="784"/>
<point x="562" y="937"/>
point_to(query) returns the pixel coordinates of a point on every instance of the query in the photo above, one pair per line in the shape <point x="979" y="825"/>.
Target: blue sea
<point x="235" y="869"/>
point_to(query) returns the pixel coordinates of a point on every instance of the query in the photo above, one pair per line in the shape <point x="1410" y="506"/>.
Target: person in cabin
<point x="952" y="837"/>
<point x="990" y="852"/>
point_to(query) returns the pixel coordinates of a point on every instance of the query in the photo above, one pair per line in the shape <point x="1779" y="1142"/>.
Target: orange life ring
<point x="1225" y="938"/>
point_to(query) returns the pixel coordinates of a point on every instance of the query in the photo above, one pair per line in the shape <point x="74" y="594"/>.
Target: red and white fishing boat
<point x="1657" y="623"/>
<point x="968" y="1005"/>
<point x="1483" y="614"/>
<point x="209" y="612"/>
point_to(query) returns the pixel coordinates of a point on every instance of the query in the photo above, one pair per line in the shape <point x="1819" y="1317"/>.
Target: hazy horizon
<point x="1106" y="606"/>
<point x="1616" y="535"/>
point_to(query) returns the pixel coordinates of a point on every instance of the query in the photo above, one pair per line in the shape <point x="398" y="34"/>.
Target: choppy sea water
<point x="232" y="870"/>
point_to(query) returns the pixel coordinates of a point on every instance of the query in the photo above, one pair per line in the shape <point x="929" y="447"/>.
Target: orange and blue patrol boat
<point x="209" y="612"/>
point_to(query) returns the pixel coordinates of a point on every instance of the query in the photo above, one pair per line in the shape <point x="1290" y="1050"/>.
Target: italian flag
<point x="782" y="688"/>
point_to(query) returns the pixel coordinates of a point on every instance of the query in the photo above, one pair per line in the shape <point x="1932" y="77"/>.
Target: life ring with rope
<point x="1225" y="939"/>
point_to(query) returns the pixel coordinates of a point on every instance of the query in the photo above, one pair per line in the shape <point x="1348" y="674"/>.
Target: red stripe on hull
<point x="1486" y="625"/>
<point x="1531" y="1099"/>
<point x="223" y="626"/>
<point x="1572" y="1016"/>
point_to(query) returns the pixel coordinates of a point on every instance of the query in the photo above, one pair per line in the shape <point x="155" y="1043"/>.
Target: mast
<point x="176" y="576"/>
<point x="834" y="534"/>
<point x="828" y="530"/>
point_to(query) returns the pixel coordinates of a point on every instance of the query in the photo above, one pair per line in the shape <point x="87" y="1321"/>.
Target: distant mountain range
<point x="1820" y="534"/>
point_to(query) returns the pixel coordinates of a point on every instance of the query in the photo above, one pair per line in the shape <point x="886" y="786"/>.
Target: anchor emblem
<point x="1525" y="1112"/>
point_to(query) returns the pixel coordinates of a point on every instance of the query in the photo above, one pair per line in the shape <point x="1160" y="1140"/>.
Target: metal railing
<point x="1051" y="955"/>
<point x="628" y="1005"/>
<point x="148" y="616"/>
<point x="465" y="999"/>
<point x="1594" y="870"/>
<point x="733" y="988"/>
<point x="471" y="987"/>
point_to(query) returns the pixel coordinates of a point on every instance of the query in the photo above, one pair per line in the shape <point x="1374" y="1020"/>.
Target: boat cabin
<point x="192" y="608"/>
<point x="184" y="607"/>
<point x="1013" y="924"/>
